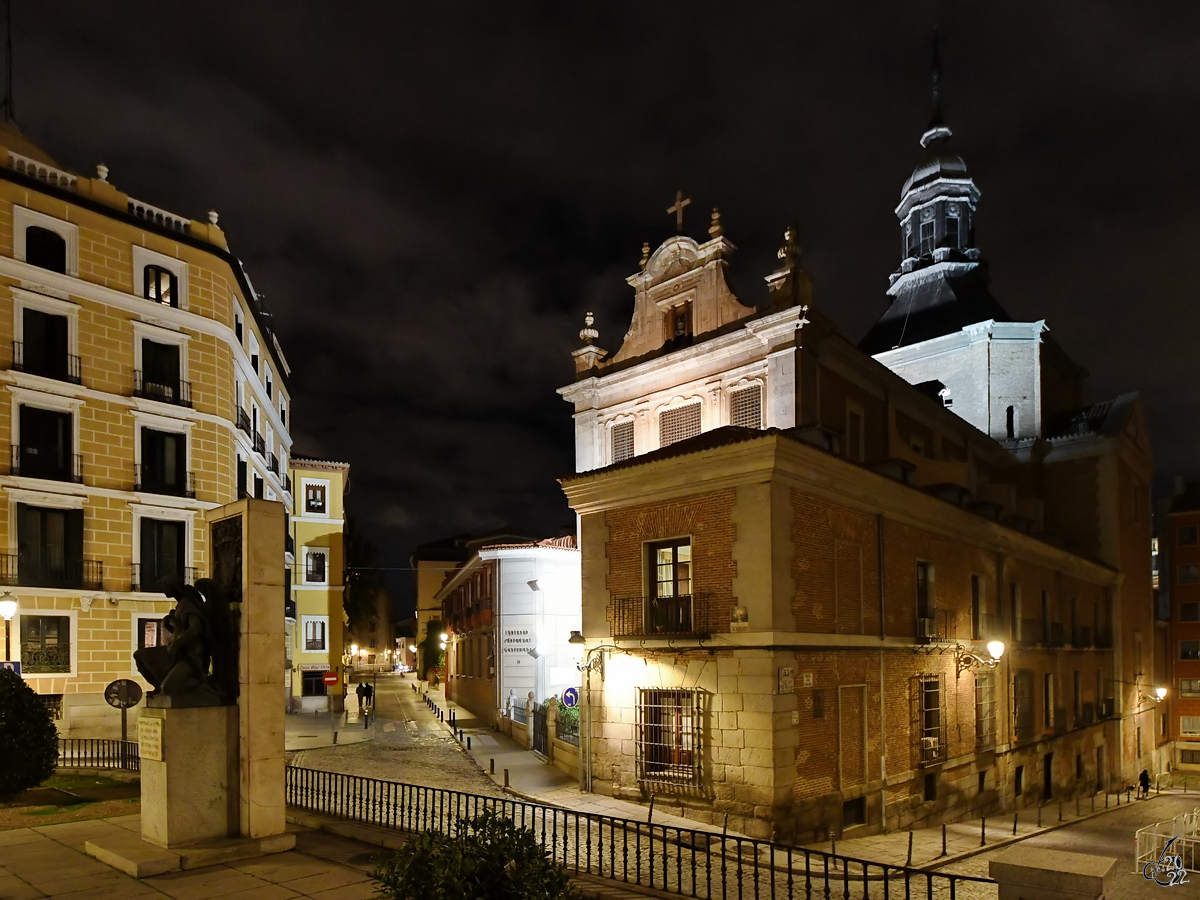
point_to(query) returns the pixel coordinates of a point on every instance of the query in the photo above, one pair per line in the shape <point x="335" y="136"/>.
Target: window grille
<point x="668" y="736"/>
<point x="54" y="705"/>
<point x="1190" y="757"/>
<point x="622" y="441"/>
<point x="678" y="424"/>
<point x="745" y="407"/>
<point x="985" y="710"/>
<point x="45" y="644"/>
<point x="1189" y="725"/>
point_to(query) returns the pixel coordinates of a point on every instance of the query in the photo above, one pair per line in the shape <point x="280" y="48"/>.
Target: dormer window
<point x="953" y="229"/>
<point x="160" y="285"/>
<point x="45" y="249"/>
<point x="927" y="238"/>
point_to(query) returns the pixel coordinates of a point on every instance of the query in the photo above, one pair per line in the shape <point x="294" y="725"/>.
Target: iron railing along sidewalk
<point x="97" y="753"/>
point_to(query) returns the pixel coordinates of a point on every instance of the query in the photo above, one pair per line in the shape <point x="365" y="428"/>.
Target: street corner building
<point x="315" y="584"/>
<point x="144" y="386"/>
<point x="830" y="588"/>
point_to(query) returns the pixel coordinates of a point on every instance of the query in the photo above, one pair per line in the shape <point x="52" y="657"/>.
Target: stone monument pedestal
<point x="193" y="763"/>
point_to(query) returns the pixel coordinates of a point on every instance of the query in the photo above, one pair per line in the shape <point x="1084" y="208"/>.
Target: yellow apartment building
<point x="144" y="385"/>
<point x="316" y="621"/>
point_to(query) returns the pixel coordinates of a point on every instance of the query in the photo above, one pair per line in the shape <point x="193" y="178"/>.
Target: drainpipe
<point x="882" y="682"/>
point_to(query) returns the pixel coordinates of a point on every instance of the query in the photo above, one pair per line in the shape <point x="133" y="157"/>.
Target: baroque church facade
<point x="798" y="553"/>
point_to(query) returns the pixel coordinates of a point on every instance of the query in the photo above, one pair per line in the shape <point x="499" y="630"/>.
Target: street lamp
<point x="965" y="659"/>
<point x="8" y="609"/>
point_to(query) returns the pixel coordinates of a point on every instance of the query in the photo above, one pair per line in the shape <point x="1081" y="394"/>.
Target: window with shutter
<point x="622" y="441"/>
<point x="678" y="424"/>
<point x="745" y="407"/>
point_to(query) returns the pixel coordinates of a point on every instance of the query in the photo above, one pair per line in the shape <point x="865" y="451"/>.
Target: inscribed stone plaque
<point x="787" y="680"/>
<point x="150" y="738"/>
<point x="227" y="556"/>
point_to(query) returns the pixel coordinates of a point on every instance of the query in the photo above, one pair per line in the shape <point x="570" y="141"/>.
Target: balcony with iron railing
<point x="60" y="367"/>
<point x="287" y="482"/>
<point x="243" y="421"/>
<point x="158" y="579"/>
<point x="37" y="462"/>
<point x="686" y="614"/>
<point x="932" y="749"/>
<point x="260" y="444"/>
<point x="48" y="570"/>
<point x="150" y="480"/>
<point x="177" y="393"/>
<point x="273" y="463"/>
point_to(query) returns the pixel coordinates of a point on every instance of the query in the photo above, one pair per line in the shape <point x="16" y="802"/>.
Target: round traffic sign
<point x="570" y="698"/>
<point x="330" y="678"/>
<point x="123" y="693"/>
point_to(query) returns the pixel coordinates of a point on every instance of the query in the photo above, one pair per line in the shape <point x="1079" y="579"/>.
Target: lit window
<point x="160" y="285"/>
<point x="314" y="632"/>
<point x="314" y="498"/>
<point x="45" y="644"/>
<point x="678" y="424"/>
<point x="985" y="710"/>
<point x="314" y="567"/>
<point x="1189" y="687"/>
<point x="622" y="441"/>
<point x="150" y="633"/>
<point x="745" y="407"/>
<point x="1189" y="725"/>
<point x="929" y="703"/>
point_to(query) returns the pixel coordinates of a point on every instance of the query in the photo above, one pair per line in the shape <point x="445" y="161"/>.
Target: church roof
<point x="930" y="307"/>
<point x="1105" y="419"/>
<point x="937" y="162"/>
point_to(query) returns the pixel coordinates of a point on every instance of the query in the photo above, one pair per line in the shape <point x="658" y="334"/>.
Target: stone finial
<point x="645" y="255"/>
<point x="588" y="334"/>
<point x="716" y="229"/>
<point x="790" y="251"/>
<point x="102" y="172"/>
<point x="212" y="217"/>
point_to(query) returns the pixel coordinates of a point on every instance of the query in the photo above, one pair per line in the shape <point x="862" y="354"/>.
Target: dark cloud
<point x="431" y="195"/>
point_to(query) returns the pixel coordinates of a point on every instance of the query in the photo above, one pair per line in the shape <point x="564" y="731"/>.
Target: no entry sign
<point x="330" y="678"/>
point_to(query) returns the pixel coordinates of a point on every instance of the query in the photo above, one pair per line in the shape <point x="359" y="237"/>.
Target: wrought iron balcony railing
<point x="287" y="482"/>
<point x="289" y="612"/>
<point x="151" y="481"/>
<point x="44" y="569"/>
<point x="64" y="367"/>
<point x="177" y="392"/>
<point x="260" y="444"/>
<point x="46" y="660"/>
<point x="243" y="421"/>
<point x="688" y="614"/>
<point x="157" y="579"/>
<point x="36" y="462"/>
<point x="273" y="463"/>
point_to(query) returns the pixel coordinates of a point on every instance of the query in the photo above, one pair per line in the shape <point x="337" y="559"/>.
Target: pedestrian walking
<point x="370" y="696"/>
<point x="1144" y="784"/>
<point x="361" y="690"/>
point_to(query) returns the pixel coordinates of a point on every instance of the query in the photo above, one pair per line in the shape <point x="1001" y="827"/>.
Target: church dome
<point x="938" y="162"/>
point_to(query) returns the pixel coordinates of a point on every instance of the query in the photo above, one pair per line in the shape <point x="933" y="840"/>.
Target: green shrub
<point x="28" y="740"/>
<point x="489" y="859"/>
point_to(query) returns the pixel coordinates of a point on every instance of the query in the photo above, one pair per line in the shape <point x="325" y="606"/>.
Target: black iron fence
<point x="566" y="728"/>
<point x="175" y="391"/>
<point x="517" y="712"/>
<point x="48" y="570"/>
<point x="686" y="614"/>
<point x="46" y="462"/>
<point x="96" y="753"/>
<point x="158" y="578"/>
<point x="679" y="860"/>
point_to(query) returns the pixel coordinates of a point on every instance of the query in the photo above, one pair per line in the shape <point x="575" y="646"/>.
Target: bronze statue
<point x="199" y="662"/>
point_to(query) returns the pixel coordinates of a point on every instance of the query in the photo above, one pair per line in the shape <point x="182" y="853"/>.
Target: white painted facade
<point x="987" y="368"/>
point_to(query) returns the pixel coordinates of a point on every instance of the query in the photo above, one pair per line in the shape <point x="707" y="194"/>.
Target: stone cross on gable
<point x="677" y="209"/>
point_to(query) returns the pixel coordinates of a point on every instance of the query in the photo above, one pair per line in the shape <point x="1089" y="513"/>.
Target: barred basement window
<point x="668" y="736"/>
<point x="622" y="441"/>
<point x="53" y="705"/>
<point x="745" y="407"/>
<point x="678" y="424"/>
<point x="1189" y="757"/>
<point x="985" y="711"/>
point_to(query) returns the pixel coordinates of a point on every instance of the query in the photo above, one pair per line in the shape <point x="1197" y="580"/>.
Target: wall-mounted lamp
<point x="965" y="659"/>
<point x="1159" y="695"/>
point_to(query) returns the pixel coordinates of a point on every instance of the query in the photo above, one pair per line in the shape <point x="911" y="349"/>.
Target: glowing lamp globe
<point x="1160" y="693"/>
<point x="996" y="648"/>
<point x="8" y="606"/>
<point x="354" y="649"/>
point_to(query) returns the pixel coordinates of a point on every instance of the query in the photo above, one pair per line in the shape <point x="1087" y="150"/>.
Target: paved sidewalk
<point x="531" y="778"/>
<point x="307" y="731"/>
<point x="968" y="838"/>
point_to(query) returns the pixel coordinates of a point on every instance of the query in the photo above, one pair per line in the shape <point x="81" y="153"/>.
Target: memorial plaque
<point x="227" y="557"/>
<point x="150" y="738"/>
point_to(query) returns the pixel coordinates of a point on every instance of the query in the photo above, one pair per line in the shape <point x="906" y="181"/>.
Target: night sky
<point x="432" y="195"/>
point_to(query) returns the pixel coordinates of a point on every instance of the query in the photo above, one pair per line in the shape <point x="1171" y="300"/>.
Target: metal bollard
<point x="468" y="743"/>
<point x="1039" y="824"/>
<point x="908" y="862"/>
<point x="1118" y="798"/>
<point x="506" y="777"/>
<point x="983" y="832"/>
<point x="1014" y="823"/>
<point x="492" y="766"/>
<point x="943" y="839"/>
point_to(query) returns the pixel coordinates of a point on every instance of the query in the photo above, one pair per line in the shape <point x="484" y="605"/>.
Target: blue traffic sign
<point x="11" y="665"/>
<point x="570" y="698"/>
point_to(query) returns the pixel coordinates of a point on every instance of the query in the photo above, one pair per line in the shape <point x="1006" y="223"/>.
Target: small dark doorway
<point x="1047" y="776"/>
<point x="854" y="812"/>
